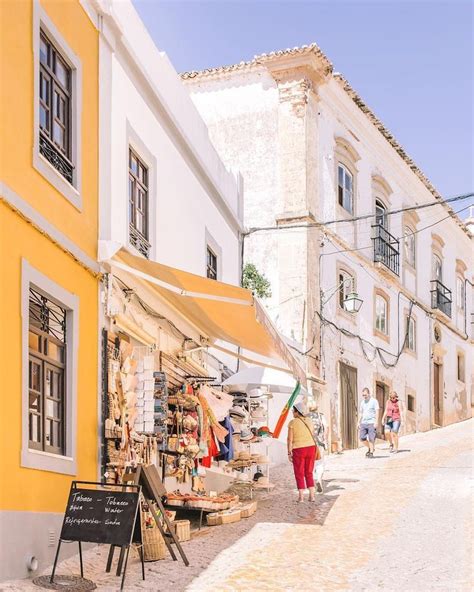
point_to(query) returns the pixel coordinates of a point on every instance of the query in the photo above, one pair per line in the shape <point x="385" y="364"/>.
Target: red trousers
<point x="303" y="465"/>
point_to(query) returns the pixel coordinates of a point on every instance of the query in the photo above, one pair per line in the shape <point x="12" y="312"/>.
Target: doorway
<point x="348" y="390"/>
<point x="437" y="394"/>
<point x="381" y="393"/>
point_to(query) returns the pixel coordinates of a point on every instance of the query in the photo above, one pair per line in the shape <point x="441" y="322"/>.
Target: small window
<point x="460" y="292"/>
<point x="381" y="314"/>
<point x="138" y="204"/>
<point x="461" y="369"/>
<point x="411" y="403"/>
<point x="409" y="242"/>
<point x="345" y="191"/>
<point x="55" y="138"/>
<point x="211" y="264"/>
<point x="46" y="374"/>
<point x="381" y="217"/>
<point x="437" y="268"/>
<point x="346" y="286"/>
<point x="410" y="328"/>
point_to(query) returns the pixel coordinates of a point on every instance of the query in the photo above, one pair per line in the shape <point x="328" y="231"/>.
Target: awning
<point x="220" y="311"/>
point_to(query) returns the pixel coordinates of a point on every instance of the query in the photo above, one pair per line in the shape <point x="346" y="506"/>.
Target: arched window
<point x="381" y="314"/>
<point x="460" y="292"/>
<point x="346" y="285"/>
<point x="437" y="268"/>
<point x="381" y="214"/>
<point x="345" y="188"/>
<point x="409" y="243"/>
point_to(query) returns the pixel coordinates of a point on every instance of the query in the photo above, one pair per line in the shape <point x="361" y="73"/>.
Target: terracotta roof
<point x="261" y="59"/>
<point x="313" y="48"/>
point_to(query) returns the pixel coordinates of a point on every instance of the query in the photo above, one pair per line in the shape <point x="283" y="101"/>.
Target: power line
<point x="363" y="216"/>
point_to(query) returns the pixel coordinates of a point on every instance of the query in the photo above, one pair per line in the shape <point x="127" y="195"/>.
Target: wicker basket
<point x="154" y="547"/>
<point x="248" y="510"/>
<point x="217" y="518"/>
<point x="182" y="529"/>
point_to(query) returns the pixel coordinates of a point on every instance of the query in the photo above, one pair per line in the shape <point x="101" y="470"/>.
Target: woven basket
<point x="218" y="518"/>
<point x="154" y="547"/>
<point x="182" y="529"/>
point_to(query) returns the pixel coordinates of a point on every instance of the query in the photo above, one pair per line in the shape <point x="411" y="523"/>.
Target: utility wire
<point x="363" y="216"/>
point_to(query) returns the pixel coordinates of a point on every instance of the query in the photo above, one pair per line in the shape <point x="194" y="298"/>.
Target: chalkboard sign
<point x="100" y="515"/>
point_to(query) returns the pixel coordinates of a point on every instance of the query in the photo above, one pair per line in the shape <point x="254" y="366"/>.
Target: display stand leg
<point x="172" y="532"/>
<point x="55" y="562"/>
<point x="200" y="519"/>
<point x="80" y="559"/>
<point x="110" y="558"/>
<point x="120" y="561"/>
<point x="160" y="527"/>
<point x="142" y="559"/>
<point x="125" y="566"/>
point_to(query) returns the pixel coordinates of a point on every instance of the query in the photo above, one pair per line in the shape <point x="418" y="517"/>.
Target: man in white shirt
<point x="368" y="417"/>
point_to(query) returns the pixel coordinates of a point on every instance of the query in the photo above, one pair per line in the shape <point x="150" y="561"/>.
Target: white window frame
<point x="380" y="205"/>
<point x="72" y="192"/>
<point x="346" y="172"/>
<point x="379" y="297"/>
<point x="460" y="291"/>
<point x="134" y="141"/>
<point x="36" y="459"/>
<point x="409" y="253"/>
<point x="410" y="329"/>
<point x="345" y="286"/>
<point x="213" y="245"/>
<point x="436" y="258"/>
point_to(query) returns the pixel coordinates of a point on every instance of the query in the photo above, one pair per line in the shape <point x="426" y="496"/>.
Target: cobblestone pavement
<point x="396" y="522"/>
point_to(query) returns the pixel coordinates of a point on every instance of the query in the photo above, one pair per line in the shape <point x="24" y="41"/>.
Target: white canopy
<point x="261" y="377"/>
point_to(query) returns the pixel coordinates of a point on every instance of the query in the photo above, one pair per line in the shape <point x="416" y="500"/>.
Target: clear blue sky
<point x="411" y="61"/>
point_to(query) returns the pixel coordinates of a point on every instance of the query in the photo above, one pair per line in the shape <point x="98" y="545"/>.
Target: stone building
<point x="312" y="152"/>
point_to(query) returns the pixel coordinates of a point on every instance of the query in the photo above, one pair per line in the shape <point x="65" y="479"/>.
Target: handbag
<point x="317" y="452"/>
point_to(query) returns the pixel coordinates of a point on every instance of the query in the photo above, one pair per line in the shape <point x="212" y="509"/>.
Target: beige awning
<point x="220" y="311"/>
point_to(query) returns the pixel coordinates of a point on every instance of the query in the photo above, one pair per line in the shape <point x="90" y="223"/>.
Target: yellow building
<point x="49" y="294"/>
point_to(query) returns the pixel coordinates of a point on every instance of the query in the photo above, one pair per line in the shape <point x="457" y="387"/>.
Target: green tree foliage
<point x="255" y="281"/>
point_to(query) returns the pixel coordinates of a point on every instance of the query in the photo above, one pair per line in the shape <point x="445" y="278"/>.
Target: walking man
<point x="368" y="417"/>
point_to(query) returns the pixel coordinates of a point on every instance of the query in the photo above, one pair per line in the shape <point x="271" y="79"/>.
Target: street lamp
<point x="351" y="302"/>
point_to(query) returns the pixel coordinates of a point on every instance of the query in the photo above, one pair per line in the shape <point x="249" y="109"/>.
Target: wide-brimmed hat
<point x="246" y="435"/>
<point x="300" y="407"/>
<point x="237" y="412"/>
<point x="258" y="413"/>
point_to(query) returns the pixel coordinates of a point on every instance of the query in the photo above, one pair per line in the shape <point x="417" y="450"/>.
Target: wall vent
<point x="51" y="538"/>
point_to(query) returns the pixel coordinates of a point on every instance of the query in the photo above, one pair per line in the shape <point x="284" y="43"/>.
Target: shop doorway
<point x="348" y="390"/>
<point x="381" y="393"/>
<point x="437" y="394"/>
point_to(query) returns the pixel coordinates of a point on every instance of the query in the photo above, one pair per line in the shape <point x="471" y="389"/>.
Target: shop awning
<point x="221" y="311"/>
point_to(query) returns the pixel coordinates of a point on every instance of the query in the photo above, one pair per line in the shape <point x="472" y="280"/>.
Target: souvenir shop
<point x="164" y="405"/>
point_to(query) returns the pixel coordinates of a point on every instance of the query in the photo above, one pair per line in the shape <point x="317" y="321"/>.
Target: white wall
<point x="241" y="108"/>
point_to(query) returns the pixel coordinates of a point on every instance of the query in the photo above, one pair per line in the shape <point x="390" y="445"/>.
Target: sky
<point x="412" y="61"/>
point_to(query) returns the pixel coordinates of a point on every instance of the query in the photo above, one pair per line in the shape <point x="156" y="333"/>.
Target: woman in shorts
<point x="391" y="421"/>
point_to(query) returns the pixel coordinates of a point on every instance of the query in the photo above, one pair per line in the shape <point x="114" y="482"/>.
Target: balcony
<point x="139" y="241"/>
<point x="55" y="157"/>
<point x="441" y="297"/>
<point x="386" y="248"/>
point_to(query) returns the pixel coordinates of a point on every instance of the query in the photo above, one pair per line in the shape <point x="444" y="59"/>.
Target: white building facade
<point x="311" y="153"/>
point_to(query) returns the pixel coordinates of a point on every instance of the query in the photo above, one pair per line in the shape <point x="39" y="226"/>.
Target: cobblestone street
<point x="396" y="522"/>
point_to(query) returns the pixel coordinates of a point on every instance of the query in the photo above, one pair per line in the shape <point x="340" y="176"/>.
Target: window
<point x="138" y="204"/>
<point x="411" y="403"/>
<point x="381" y="314"/>
<point x="460" y="292"/>
<point x="381" y="217"/>
<point x="346" y="286"/>
<point x="410" y="332"/>
<point x="437" y="268"/>
<point x="46" y="374"/>
<point x="55" y="108"/>
<point x="409" y="243"/>
<point x="461" y="369"/>
<point x="211" y="264"/>
<point x="345" y="188"/>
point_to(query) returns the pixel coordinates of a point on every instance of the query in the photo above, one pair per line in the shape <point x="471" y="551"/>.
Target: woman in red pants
<point x="302" y="451"/>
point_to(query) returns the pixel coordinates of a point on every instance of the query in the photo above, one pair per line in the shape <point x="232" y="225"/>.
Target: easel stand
<point x="153" y="492"/>
<point x="102" y="514"/>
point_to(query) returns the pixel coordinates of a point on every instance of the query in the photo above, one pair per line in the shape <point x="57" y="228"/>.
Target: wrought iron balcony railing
<point x="386" y="248"/>
<point x="139" y="241"/>
<point x="441" y="297"/>
<point x="55" y="157"/>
